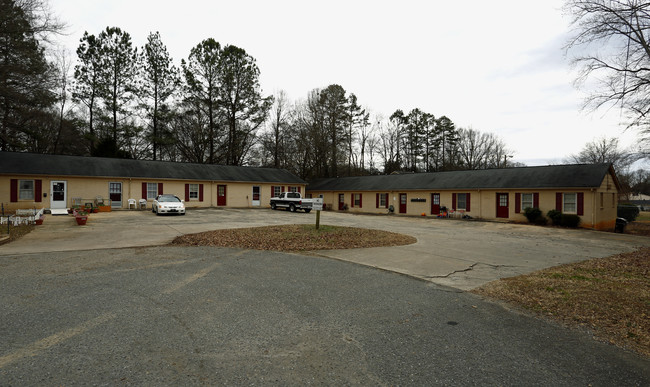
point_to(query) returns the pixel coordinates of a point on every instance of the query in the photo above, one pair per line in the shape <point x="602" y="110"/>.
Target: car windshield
<point x="168" y="198"/>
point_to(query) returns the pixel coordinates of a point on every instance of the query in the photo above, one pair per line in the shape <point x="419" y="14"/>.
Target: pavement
<point x="110" y="304"/>
<point x="458" y="253"/>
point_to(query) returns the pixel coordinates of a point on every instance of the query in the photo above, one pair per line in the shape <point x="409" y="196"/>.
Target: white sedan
<point x="168" y="204"/>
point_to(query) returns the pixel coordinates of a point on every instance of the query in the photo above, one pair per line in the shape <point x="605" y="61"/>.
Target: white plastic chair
<point x="143" y="204"/>
<point x="131" y="204"/>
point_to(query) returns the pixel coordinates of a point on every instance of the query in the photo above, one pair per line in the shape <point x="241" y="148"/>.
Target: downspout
<point x="480" y="204"/>
<point x="593" y="208"/>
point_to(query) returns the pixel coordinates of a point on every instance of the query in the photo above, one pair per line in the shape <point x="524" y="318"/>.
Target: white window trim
<point x="464" y="207"/>
<point x="149" y="190"/>
<point x="564" y="196"/>
<point x="384" y="197"/>
<point x="194" y="191"/>
<point x="524" y="202"/>
<point x="357" y="203"/>
<point x="32" y="190"/>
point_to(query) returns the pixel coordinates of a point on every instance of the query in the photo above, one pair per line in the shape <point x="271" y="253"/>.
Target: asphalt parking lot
<point x="108" y="304"/>
<point x="457" y="253"/>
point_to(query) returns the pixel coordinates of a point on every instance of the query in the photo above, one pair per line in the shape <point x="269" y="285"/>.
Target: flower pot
<point x="39" y="221"/>
<point x="81" y="220"/>
<point x="104" y="208"/>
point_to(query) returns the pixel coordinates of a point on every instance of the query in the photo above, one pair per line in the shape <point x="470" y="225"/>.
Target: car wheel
<point x="307" y="210"/>
<point x="273" y="206"/>
<point x="292" y="208"/>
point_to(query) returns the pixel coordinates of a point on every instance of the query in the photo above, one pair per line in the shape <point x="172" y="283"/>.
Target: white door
<point x="256" y="196"/>
<point x="58" y="195"/>
<point x="115" y="194"/>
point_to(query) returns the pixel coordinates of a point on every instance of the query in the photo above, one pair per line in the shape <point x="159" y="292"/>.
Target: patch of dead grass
<point x="610" y="296"/>
<point x="638" y="228"/>
<point x="295" y="238"/>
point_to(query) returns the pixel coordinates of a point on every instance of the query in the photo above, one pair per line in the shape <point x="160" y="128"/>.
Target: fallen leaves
<point x="609" y="295"/>
<point x="295" y="238"/>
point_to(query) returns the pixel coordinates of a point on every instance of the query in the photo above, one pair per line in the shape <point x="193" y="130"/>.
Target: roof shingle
<point x="552" y="176"/>
<point x="57" y="165"/>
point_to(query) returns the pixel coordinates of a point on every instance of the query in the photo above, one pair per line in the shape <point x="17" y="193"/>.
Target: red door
<point x="221" y="195"/>
<point x="502" y="205"/>
<point x="341" y="201"/>
<point x="402" y="203"/>
<point x="435" y="203"/>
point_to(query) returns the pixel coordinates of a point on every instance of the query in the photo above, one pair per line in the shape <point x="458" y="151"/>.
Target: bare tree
<point x="605" y="150"/>
<point x="612" y="45"/>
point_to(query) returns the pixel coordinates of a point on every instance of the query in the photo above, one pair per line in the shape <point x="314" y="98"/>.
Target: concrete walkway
<point x="456" y="253"/>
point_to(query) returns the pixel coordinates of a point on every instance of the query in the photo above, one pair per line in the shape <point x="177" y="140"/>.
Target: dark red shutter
<point x="558" y="201"/>
<point x="38" y="190"/>
<point x="352" y="200"/>
<point x="453" y="201"/>
<point x="200" y="192"/>
<point x="144" y="190"/>
<point x="160" y="190"/>
<point x="187" y="192"/>
<point x="360" y="200"/>
<point x="298" y="189"/>
<point x="467" y="202"/>
<point x="282" y="189"/>
<point x="536" y="200"/>
<point x="377" y="201"/>
<point x="386" y="205"/>
<point x="272" y="191"/>
<point x="517" y="202"/>
<point x="14" y="190"/>
<point x="581" y="203"/>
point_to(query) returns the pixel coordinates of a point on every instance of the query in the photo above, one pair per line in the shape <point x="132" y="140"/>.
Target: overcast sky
<point x="495" y="66"/>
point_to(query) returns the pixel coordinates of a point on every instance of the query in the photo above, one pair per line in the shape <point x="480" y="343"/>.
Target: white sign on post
<point x="318" y="204"/>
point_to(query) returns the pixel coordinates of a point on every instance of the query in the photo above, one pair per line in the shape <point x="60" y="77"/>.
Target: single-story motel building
<point x="587" y="190"/>
<point x="55" y="182"/>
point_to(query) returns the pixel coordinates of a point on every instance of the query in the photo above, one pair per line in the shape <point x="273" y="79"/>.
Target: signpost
<point x="318" y="206"/>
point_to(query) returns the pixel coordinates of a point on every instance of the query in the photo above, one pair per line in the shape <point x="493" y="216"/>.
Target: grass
<point x="610" y="296"/>
<point x="15" y="232"/>
<point x="295" y="238"/>
<point x="644" y="216"/>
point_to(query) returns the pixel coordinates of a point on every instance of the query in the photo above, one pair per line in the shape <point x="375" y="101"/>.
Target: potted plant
<point x="81" y="217"/>
<point x="39" y="221"/>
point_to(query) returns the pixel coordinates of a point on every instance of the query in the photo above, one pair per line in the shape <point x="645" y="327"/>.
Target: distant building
<point x="587" y="190"/>
<point x="53" y="181"/>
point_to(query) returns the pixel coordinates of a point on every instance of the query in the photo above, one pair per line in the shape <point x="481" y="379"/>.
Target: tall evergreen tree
<point x="119" y="75"/>
<point x="26" y="79"/>
<point x="160" y="82"/>
<point x="334" y="104"/>
<point x="88" y="80"/>
<point x="201" y="73"/>
<point x="241" y="99"/>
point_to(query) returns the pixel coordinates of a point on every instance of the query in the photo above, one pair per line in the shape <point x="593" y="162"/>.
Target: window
<point x="152" y="190"/>
<point x="602" y="200"/>
<point x="293" y="189"/>
<point x="461" y="201"/>
<point x="570" y="203"/>
<point x="277" y="190"/>
<point x="194" y="191"/>
<point x="527" y="200"/>
<point x="613" y="200"/>
<point x="357" y="200"/>
<point x="382" y="200"/>
<point x="26" y="189"/>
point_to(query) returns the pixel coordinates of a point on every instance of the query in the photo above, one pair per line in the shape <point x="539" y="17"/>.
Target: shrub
<point x="627" y="211"/>
<point x="569" y="220"/>
<point x="541" y="221"/>
<point x="555" y="216"/>
<point x="532" y="213"/>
